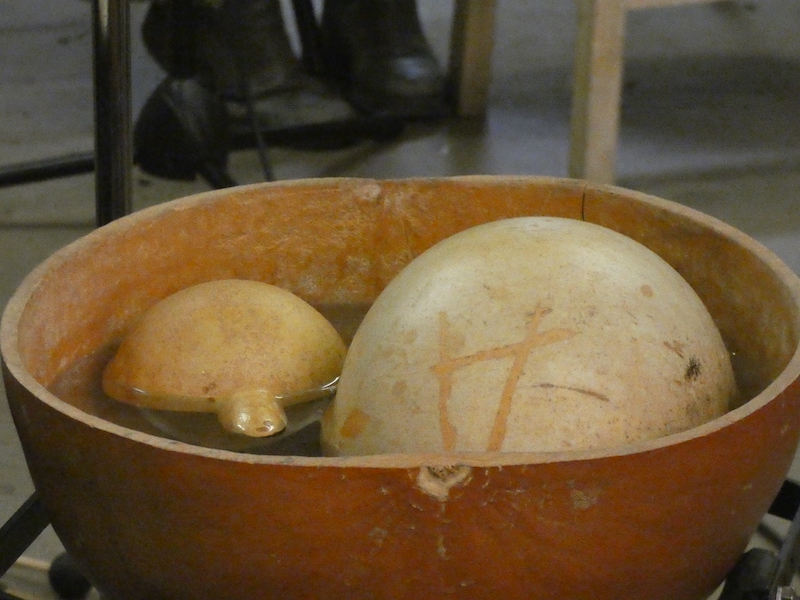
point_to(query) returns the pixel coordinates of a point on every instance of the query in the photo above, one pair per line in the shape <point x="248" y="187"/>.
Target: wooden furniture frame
<point x="597" y="78"/>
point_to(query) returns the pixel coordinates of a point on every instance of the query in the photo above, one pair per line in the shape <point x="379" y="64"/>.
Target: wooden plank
<point x="471" y="45"/>
<point x="597" y="89"/>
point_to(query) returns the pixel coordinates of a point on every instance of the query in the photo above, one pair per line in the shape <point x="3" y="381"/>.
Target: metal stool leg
<point x="112" y="108"/>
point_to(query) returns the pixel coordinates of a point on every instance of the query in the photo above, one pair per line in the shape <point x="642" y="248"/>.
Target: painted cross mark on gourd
<point x="520" y="351"/>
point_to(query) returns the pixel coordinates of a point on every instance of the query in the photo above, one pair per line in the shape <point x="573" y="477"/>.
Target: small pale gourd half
<point x="533" y="334"/>
<point x="241" y="349"/>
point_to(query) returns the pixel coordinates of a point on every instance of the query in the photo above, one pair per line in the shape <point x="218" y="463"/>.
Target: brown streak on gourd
<point x="602" y="397"/>
<point x="448" y="430"/>
<point x="520" y="351"/>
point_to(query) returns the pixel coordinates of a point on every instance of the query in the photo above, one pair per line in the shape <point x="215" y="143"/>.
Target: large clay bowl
<point x="156" y="519"/>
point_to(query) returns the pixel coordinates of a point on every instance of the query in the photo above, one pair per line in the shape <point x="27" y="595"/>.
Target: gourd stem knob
<point x="256" y="413"/>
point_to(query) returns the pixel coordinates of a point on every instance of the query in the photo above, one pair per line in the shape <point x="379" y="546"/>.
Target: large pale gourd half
<point x="529" y="334"/>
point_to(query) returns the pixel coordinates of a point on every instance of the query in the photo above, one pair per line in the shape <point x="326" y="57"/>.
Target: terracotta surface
<point x="154" y="519"/>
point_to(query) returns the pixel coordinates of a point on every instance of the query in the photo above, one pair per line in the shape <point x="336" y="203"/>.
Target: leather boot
<point x="377" y="50"/>
<point x="242" y="50"/>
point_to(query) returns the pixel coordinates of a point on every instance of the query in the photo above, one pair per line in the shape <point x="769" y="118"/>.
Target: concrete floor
<point x="709" y="120"/>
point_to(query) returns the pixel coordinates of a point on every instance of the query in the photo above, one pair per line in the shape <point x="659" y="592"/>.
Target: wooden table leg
<point x="471" y="45"/>
<point x="597" y="87"/>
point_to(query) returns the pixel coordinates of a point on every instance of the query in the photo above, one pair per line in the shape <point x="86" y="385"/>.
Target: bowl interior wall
<point x="338" y="243"/>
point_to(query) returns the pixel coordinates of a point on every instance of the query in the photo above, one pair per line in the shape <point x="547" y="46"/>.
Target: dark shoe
<point x="244" y="54"/>
<point x="376" y="49"/>
<point x="182" y="132"/>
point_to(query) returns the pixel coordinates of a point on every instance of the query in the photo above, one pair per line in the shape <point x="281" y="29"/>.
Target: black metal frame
<point x="112" y="157"/>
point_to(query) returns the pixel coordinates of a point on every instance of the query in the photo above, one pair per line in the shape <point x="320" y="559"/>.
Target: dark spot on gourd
<point x="693" y="369"/>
